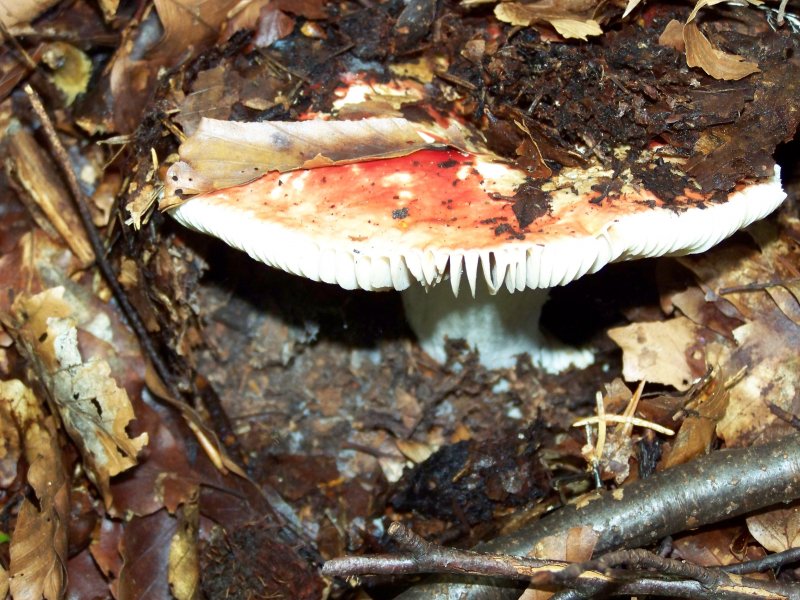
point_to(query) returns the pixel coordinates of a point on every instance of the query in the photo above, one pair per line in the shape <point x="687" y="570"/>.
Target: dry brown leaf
<point x="109" y="8"/>
<point x="698" y="431"/>
<point x="94" y="409"/>
<point x="700" y="52"/>
<point x="575" y="29"/>
<point x="701" y="4"/>
<point x="145" y="549"/>
<point x="10" y="449"/>
<point x="767" y="342"/>
<point x="20" y="12"/>
<point x="184" y="565"/>
<point x="38" y="546"/>
<point x="717" y="547"/>
<point x="575" y="545"/>
<point x="630" y="6"/>
<point x="776" y="530"/>
<point x="206" y="437"/>
<point x="3" y="582"/>
<point x="190" y="24"/>
<point x="571" y="19"/>
<point x="672" y="36"/>
<point x="417" y="452"/>
<point x="37" y="174"/>
<point x="225" y="153"/>
<point x="658" y="351"/>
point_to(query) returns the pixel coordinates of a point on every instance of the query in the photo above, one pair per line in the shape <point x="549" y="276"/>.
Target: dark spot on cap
<point x="400" y="213"/>
<point x="448" y="164"/>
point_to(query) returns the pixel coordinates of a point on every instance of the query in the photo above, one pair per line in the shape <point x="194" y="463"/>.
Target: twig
<point x="130" y="313"/>
<point x="638" y="560"/>
<point x="717" y="486"/>
<point x="425" y="557"/>
<point x="773" y="561"/>
<point x="30" y="64"/>
<point x="784" y="415"/>
<point x="756" y="286"/>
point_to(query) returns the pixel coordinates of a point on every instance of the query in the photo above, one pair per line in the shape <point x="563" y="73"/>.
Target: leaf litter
<point x="311" y="387"/>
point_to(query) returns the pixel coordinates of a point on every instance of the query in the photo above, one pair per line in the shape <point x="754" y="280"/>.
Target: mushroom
<point x="472" y="243"/>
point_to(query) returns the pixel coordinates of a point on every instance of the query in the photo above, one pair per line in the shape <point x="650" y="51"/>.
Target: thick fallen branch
<point x="712" y="488"/>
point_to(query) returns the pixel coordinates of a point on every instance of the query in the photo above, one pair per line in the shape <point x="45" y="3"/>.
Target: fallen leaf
<point x="184" y="565"/>
<point x="672" y="36"/>
<point x="145" y="549"/>
<point x="310" y="9"/>
<point x="38" y="546"/>
<point x="571" y="19"/>
<point x="10" y="450"/>
<point x="701" y="4"/>
<point x="717" y="547"/>
<point x="700" y="52"/>
<point x="109" y="8"/>
<point x="94" y="409"/>
<point x="3" y="582"/>
<point x="86" y="581"/>
<point x="629" y="8"/>
<point x="766" y="343"/>
<point x="105" y="547"/>
<point x="417" y="452"/>
<point x="189" y="25"/>
<point x="575" y="29"/>
<point x="35" y="172"/>
<point x="657" y="351"/>
<point x="776" y="530"/>
<point x="575" y="545"/>
<point x="223" y="154"/>
<point x="272" y="25"/>
<point x="21" y="12"/>
<point x="698" y="431"/>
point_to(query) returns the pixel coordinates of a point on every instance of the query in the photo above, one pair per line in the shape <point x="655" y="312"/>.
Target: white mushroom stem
<point x="500" y="327"/>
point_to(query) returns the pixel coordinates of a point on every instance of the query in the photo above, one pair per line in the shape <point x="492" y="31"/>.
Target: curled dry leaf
<point x="698" y="431"/>
<point x="672" y="36"/>
<point x="571" y="19"/>
<point x="223" y="154"/>
<point x="94" y="409"/>
<point x="778" y="529"/>
<point x="39" y="543"/>
<point x="700" y="52"/>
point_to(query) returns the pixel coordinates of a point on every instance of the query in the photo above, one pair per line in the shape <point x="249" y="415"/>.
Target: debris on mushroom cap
<point x="384" y="224"/>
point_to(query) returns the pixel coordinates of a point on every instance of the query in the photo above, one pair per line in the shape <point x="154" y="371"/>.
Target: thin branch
<point x="639" y="559"/>
<point x="683" y="580"/>
<point x="772" y="561"/>
<point x="718" y="486"/>
<point x="130" y="313"/>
